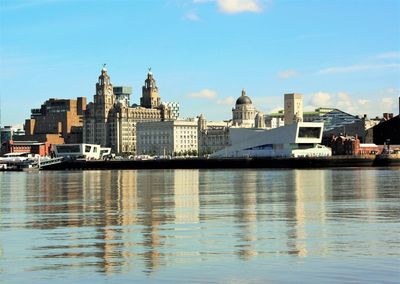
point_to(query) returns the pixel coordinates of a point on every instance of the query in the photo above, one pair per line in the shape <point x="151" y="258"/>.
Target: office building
<point x="57" y="120"/>
<point x="172" y="138"/>
<point x="111" y="122"/>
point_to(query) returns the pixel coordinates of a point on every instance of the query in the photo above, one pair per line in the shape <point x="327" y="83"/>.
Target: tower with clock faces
<point x="112" y="123"/>
<point x="150" y="97"/>
<point x="96" y="130"/>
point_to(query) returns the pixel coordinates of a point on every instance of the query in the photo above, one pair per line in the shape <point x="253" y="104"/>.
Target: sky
<point x="343" y="53"/>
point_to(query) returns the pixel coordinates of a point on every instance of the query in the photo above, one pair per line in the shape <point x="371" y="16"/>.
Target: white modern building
<point x="172" y="138"/>
<point x="85" y="151"/>
<point x="300" y="139"/>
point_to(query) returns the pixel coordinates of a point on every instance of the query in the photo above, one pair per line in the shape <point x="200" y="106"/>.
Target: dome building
<point x="244" y="113"/>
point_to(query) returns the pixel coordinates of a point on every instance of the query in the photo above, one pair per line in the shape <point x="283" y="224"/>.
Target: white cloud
<point x="203" y="1"/>
<point x="321" y="99"/>
<point x="227" y="101"/>
<point x="287" y="74"/>
<point x="204" y="94"/>
<point x="191" y="16"/>
<point x="357" y="68"/>
<point x="344" y="102"/>
<point x="363" y="102"/>
<point x="387" y="103"/>
<point x="339" y="100"/>
<point x="240" y="6"/>
<point x="389" y="55"/>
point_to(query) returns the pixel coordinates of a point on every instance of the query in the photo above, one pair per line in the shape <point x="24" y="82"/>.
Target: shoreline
<point x="232" y="163"/>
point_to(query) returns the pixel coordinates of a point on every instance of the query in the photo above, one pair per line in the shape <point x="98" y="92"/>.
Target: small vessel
<point x="18" y="162"/>
<point x="25" y="162"/>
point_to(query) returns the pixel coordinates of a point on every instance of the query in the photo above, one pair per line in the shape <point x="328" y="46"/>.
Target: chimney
<point x="385" y="115"/>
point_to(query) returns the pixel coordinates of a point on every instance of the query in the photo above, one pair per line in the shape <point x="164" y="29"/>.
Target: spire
<point x="243" y="92"/>
<point x="104" y="78"/>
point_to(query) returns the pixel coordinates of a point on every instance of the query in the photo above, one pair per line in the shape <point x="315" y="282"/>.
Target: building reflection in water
<point x="308" y="191"/>
<point x="113" y="217"/>
<point x="246" y="214"/>
<point x="136" y="220"/>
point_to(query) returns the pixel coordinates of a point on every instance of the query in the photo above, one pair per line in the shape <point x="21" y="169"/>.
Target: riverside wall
<point x="231" y="163"/>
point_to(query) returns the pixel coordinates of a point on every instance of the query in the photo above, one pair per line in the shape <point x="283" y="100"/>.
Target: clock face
<point x="100" y="92"/>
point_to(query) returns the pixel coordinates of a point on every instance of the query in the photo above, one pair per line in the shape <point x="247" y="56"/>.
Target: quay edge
<point x="231" y="163"/>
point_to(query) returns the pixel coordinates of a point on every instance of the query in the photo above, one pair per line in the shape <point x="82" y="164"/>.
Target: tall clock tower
<point x="104" y="97"/>
<point x="103" y="102"/>
<point x="150" y="98"/>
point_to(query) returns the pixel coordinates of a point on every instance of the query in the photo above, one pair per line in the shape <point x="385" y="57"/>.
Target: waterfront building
<point x="112" y="122"/>
<point x="82" y="150"/>
<point x="174" y="107"/>
<point x="294" y="140"/>
<point x="274" y="120"/>
<point x="350" y="145"/>
<point x="8" y="132"/>
<point x="212" y="136"/>
<point x="293" y="108"/>
<point x="172" y="138"/>
<point x="62" y="118"/>
<point x="245" y="115"/>
<point x="33" y="147"/>
<point x="386" y="132"/>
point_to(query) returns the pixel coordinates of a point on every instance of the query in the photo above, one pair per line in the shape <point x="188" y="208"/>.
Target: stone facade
<point x="293" y="108"/>
<point x="213" y="136"/>
<point x="244" y="113"/>
<point x="172" y="138"/>
<point x="112" y="123"/>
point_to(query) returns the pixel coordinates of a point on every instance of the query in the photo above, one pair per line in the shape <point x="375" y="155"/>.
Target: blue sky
<point x="343" y="54"/>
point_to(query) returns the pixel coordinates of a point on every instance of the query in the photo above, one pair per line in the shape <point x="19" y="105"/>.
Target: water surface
<point x="201" y="226"/>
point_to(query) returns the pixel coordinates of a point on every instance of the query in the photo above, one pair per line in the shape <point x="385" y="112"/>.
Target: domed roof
<point x="243" y="99"/>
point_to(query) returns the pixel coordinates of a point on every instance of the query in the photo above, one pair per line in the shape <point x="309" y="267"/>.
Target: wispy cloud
<point x="287" y="74"/>
<point x="204" y="94"/>
<point x="237" y="6"/>
<point x="389" y="55"/>
<point x="240" y="6"/>
<point x="357" y="68"/>
<point x="207" y="94"/>
<point x="203" y="1"/>
<point x="385" y="101"/>
<point x="227" y="101"/>
<point x="191" y="16"/>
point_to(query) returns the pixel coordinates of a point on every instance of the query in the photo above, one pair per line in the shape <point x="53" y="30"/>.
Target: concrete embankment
<point x="231" y="163"/>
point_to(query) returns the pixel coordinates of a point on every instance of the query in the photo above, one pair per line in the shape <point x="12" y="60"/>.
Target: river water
<point x="201" y="226"/>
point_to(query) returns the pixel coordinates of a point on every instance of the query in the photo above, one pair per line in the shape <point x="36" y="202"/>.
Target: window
<point x="309" y="132"/>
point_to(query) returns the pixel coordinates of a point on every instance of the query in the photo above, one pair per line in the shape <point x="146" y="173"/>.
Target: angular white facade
<point x="294" y="140"/>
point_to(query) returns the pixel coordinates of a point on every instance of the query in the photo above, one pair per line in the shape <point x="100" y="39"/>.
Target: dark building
<point x="386" y="132"/>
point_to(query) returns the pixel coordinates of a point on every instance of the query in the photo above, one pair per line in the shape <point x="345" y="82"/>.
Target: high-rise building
<point x="293" y="108"/>
<point x="123" y="94"/>
<point x="111" y="122"/>
<point x="57" y="117"/>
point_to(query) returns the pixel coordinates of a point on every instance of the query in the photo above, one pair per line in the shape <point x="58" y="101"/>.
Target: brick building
<point x="60" y="117"/>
